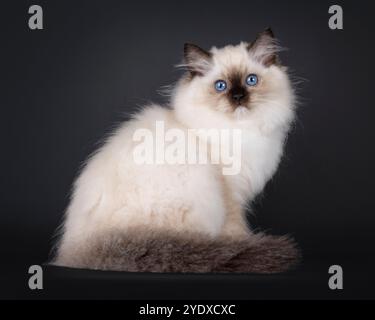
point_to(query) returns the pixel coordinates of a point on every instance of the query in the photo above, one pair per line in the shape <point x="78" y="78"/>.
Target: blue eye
<point x="252" y="80"/>
<point x="220" y="85"/>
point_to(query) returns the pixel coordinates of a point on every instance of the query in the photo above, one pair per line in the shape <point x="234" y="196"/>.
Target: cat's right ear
<point x="265" y="48"/>
<point x="197" y="60"/>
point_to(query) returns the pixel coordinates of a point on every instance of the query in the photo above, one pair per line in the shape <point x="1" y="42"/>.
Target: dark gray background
<point x="66" y="86"/>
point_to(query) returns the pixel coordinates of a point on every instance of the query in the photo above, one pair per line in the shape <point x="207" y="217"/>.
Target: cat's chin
<point x="240" y="112"/>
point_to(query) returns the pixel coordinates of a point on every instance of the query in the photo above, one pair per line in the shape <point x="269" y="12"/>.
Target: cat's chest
<point x="260" y="156"/>
<point x="257" y="147"/>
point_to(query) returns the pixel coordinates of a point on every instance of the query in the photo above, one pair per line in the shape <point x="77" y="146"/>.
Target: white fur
<point x="112" y="192"/>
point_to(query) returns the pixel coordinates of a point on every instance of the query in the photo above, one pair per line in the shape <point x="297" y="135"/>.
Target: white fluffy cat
<point x="126" y="216"/>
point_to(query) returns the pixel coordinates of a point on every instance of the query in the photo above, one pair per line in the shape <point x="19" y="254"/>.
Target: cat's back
<point x="116" y="155"/>
<point x="143" y="121"/>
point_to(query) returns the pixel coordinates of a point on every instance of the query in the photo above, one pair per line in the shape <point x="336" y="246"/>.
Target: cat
<point x="160" y="217"/>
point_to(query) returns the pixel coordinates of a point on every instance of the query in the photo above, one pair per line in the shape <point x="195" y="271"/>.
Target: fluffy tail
<point x="138" y="251"/>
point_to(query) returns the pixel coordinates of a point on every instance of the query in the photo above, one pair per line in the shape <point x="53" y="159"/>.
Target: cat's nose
<point x="238" y="96"/>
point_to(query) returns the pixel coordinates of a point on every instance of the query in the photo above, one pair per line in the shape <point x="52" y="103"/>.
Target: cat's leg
<point x="82" y="225"/>
<point x="235" y="224"/>
<point x="92" y="203"/>
<point x="183" y="198"/>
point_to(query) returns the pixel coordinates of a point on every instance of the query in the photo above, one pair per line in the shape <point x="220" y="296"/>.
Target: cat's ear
<point x="265" y="48"/>
<point x="197" y="60"/>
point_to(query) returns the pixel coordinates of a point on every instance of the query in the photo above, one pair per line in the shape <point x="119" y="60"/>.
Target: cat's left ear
<point x="197" y="60"/>
<point x="265" y="48"/>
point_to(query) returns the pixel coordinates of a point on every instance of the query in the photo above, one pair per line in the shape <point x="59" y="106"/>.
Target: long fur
<point x="118" y="206"/>
<point x="155" y="251"/>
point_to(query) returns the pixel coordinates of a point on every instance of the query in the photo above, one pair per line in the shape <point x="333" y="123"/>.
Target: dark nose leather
<point x="238" y="96"/>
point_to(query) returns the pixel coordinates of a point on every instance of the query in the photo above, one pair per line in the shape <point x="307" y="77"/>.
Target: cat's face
<point x="234" y="80"/>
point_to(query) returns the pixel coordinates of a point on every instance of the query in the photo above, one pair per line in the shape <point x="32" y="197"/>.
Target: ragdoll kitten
<point x="188" y="217"/>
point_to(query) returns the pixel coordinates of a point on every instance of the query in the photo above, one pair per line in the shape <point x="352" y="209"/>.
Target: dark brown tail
<point x="139" y="251"/>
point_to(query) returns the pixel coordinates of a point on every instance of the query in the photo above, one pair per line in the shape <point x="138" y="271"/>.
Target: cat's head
<point x="235" y="82"/>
